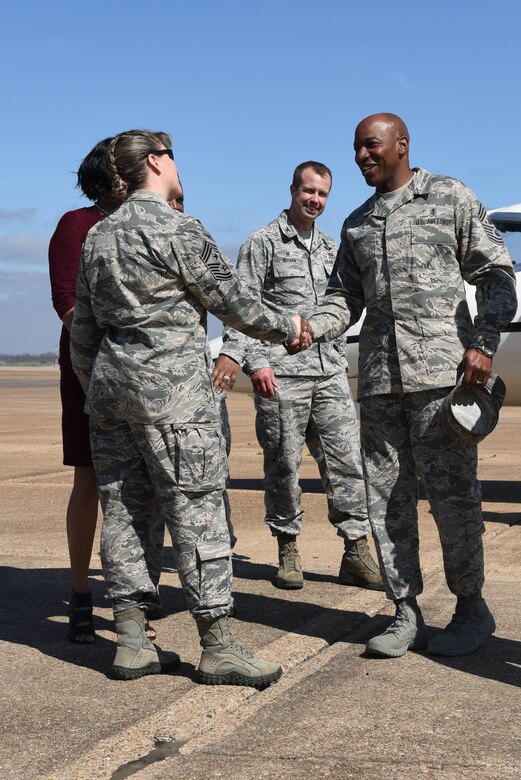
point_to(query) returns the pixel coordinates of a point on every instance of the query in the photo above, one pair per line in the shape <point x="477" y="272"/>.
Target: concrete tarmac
<point x="335" y="712"/>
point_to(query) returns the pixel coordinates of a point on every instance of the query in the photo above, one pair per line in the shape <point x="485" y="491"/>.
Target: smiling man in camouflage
<point x="304" y="398"/>
<point x="404" y="256"/>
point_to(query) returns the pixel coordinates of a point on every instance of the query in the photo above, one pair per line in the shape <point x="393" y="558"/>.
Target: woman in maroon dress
<point x="82" y="511"/>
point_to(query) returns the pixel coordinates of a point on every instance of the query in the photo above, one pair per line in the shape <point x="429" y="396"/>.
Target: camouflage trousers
<point x="148" y="474"/>
<point x="153" y="544"/>
<point x="403" y="439"/>
<point x="227" y="433"/>
<point x="320" y="412"/>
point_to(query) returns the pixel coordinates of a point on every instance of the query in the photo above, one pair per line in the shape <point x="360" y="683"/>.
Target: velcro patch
<point x="490" y="229"/>
<point x="215" y="262"/>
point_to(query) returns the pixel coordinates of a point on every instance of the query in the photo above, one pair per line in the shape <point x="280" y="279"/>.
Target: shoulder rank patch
<point x="490" y="229"/>
<point x="215" y="263"/>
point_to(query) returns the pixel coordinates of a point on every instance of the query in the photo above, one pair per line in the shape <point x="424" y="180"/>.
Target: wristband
<point x="484" y="350"/>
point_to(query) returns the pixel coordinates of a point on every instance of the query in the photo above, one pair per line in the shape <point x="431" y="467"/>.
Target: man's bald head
<point x="393" y="121"/>
<point x="382" y="151"/>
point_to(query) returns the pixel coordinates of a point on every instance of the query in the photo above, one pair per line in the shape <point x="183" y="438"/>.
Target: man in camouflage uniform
<point x="139" y="346"/>
<point x="405" y="254"/>
<point x="306" y="398"/>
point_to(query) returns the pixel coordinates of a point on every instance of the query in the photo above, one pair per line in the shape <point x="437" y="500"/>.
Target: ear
<point x="153" y="163"/>
<point x="403" y="146"/>
<point x="292" y="189"/>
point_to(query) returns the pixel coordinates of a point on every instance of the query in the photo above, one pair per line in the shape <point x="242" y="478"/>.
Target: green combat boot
<point x="289" y="575"/>
<point x="223" y="662"/>
<point x="471" y="624"/>
<point x="358" y="567"/>
<point x="406" y="632"/>
<point x="136" y="656"/>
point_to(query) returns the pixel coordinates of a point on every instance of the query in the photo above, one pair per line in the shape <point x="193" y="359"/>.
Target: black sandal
<point x="81" y="625"/>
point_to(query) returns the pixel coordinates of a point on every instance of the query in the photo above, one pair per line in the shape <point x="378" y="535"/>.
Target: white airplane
<point x="506" y="362"/>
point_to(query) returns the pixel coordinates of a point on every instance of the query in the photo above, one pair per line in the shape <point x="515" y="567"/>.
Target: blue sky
<point x="248" y="90"/>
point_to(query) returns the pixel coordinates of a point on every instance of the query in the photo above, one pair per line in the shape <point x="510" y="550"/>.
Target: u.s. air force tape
<point x="490" y="229"/>
<point x="215" y="262"/>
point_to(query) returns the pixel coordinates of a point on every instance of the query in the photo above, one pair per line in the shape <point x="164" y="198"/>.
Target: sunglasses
<point x="169" y="152"/>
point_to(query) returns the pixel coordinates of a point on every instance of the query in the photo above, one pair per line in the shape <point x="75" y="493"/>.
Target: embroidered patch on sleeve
<point x="490" y="229"/>
<point x="215" y="262"/>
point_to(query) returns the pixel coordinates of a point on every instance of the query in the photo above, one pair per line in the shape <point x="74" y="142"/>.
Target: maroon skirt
<point x="75" y="423"/>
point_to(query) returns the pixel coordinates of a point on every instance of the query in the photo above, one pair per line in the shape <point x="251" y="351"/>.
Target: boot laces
<point x="365" y="556"/>
<point x="241" y="651"/>
<point x="360" y="552"/>
<point x="400" y="621"/>
<point x="290" y="555"/>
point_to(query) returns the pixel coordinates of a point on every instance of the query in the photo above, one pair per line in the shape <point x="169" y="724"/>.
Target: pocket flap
<point x="211" y="551"/>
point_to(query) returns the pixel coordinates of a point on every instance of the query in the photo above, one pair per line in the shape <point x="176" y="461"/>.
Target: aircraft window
<point x="513" y="243"/>
<point x="511" y="235"/>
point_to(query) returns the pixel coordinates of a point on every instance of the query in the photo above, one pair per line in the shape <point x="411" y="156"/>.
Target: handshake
<point x="304" y="337"/>
<point x="264" y="381"/>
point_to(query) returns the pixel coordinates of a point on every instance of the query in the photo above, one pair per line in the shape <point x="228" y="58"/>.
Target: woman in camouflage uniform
<point x="147" y="276"/>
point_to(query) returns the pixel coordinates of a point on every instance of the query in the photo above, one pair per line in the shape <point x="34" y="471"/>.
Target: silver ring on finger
<point x="227" y="378"/>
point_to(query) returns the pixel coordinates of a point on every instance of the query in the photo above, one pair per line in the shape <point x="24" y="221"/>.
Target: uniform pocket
<point x="289" y="279"/>
<point x="435" y="267"/>
<point x="267" y="422"/>
<point x="442" y="344"/>
<point x="200" y="462"/>
<point x="432" y="234"/>
<point x="215" y="576"/>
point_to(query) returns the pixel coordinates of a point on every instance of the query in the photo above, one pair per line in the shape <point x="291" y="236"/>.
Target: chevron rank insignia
<point x="490" y="229"/>
<point x="215" y="262"/>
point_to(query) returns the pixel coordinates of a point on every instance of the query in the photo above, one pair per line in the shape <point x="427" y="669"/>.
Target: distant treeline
<point x="44" y="359"/>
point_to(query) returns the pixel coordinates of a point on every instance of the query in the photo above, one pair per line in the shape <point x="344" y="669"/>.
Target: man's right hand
<point x="303" y="341"/>
<point x="224" y="373"/>
<point x="264" y="382"/>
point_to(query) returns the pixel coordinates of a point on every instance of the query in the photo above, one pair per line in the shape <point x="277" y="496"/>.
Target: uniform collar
<point x="419" y="185"/>
<point x="288" y="229"/>
<point x="147" y="195"/>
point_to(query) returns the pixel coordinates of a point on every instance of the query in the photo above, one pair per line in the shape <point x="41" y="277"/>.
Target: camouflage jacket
<point x="282" y="273"/>
<point x="407" y="265"/>
<point x="138" y="342"/>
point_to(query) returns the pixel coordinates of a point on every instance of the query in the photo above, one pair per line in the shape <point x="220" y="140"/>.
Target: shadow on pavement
<point x="509" y="518"/>
<point x="502" y="491"/>
<point x="33" y="598"/>
<point x="247" y="570"/>
<point x="498" y="659"/>
<point x="495" y="491"/>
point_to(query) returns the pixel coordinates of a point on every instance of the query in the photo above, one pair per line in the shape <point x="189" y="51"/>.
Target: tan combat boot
<point x="289" y="575"/>
<point x="358" y="567"/>
<point x="136" y="656"/>
<point x="224" y="662"/>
